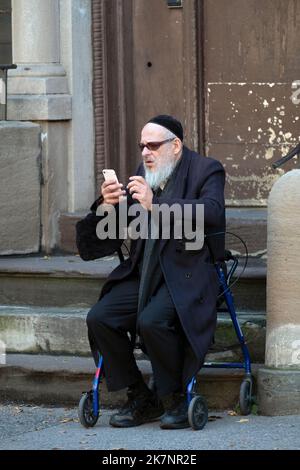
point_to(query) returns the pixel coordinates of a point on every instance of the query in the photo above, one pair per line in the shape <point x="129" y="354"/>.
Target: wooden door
<point x="250" y="61"/>
<point x="145" y="63"/>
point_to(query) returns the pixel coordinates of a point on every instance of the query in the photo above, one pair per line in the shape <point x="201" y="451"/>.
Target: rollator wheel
<point x="85" y="411"/>
<point x="245" y="397"/>
<point x="198" y="413"/>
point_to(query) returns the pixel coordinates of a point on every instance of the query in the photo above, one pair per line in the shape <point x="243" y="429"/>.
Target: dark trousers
<point x="110" y="320"/>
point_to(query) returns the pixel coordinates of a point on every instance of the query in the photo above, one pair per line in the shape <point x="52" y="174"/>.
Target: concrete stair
<point x="63" y="281"/>
<point x="43" y="304"/>
<point x="58" y="330"/>
<point x="58" y="281"/>
<point x="60" y="380"/>
<point x="250" y="289"/>
<point x="244" y="222"/>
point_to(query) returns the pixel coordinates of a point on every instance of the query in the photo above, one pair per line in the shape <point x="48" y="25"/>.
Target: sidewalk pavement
<point x="24" y="427"/>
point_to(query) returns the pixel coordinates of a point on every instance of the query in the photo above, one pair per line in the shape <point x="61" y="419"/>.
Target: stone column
<point x="279" y="380"/>
<point x="52" y="47"/>
<point x="38" y="90"/>
<point x="36" y="31"/>
<point x="36" y="51"/>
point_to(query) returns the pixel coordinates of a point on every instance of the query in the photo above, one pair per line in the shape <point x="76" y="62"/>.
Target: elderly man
<point x="163" y="291"/>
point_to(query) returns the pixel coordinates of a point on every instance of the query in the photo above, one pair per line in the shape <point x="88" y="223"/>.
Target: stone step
<point x="65" y="281"/>
<point x="250" y="289"/>
<point x="244" y="222"/>
<point x="53" y="280"/>
<point x="60" y="380"/>
<point x="61" y="330"/>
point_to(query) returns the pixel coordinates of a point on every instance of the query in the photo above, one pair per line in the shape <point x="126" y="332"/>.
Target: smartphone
<point x="109" y="175"/>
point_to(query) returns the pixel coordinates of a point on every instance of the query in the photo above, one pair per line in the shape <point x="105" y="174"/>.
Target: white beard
<point x="162" y="174"/>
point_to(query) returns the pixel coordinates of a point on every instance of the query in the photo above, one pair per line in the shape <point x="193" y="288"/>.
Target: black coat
<point x="190" y="275"/>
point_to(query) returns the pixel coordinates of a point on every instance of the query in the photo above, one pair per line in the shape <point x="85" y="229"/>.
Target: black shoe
<point x="176" y="412"/>
<point x="141" y="407"/>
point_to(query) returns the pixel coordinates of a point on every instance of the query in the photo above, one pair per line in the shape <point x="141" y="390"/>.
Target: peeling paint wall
<point x="252" y="51"/>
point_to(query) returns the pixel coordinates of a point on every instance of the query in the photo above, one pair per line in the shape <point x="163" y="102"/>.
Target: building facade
<point x="90" y="73"/>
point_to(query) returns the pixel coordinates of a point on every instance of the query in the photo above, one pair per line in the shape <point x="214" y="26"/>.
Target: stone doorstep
<point x="60" y="380"/>
<point x="69" y="281"/>
<point x="244" y="222"/>
<point x="57" y="266"/>
<point x="52" y="281"/>
<point x="74" y="267"/>
<point x="42" y="330"/>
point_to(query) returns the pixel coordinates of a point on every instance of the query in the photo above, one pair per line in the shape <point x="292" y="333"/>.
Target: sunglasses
<point x="152" y="146"/>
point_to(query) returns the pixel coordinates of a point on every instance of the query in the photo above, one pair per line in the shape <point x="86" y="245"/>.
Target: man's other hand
<point x="141" y="191"/>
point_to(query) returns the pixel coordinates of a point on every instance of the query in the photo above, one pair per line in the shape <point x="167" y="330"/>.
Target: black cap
<point x="170" y="123"/>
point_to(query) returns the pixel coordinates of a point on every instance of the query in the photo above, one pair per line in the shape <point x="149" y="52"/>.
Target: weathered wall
<point x="251" y="57"/>
<point x="226" y="69"/>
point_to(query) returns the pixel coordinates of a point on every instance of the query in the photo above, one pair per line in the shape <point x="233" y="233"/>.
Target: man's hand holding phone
<point x="111" y="189"/>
